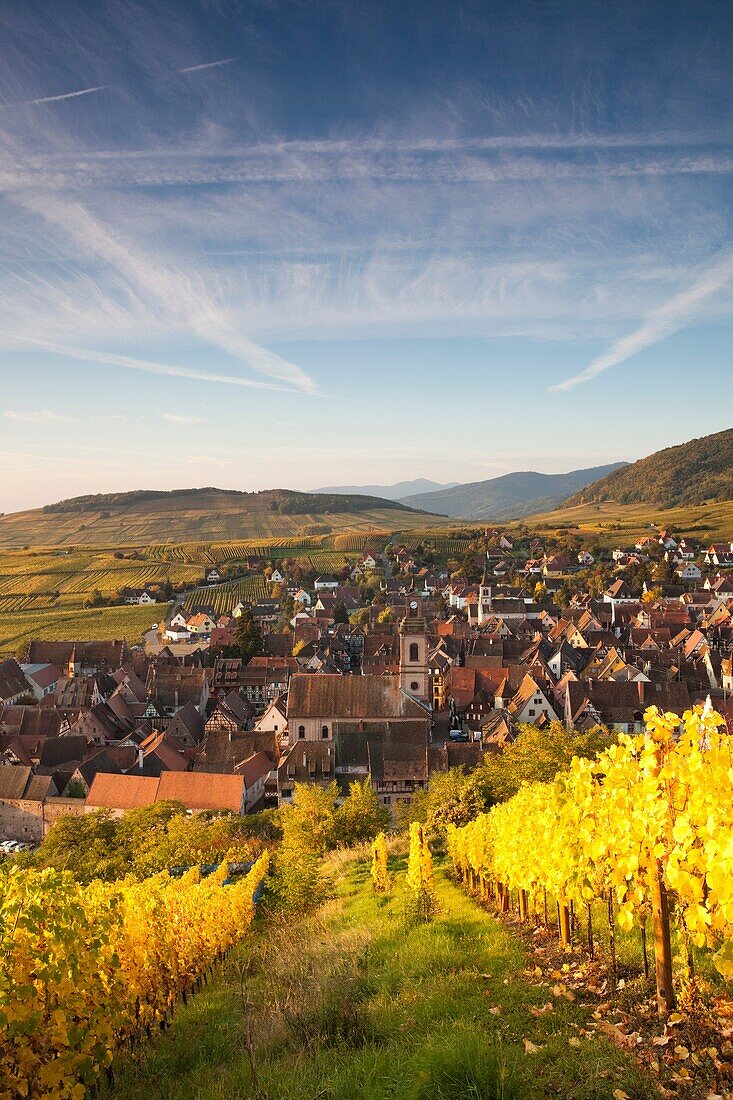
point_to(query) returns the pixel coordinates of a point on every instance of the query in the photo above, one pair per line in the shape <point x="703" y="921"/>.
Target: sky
<point x="290" y="244"/>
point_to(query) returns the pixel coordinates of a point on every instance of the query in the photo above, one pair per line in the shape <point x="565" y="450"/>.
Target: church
<point x="349" y="727"/>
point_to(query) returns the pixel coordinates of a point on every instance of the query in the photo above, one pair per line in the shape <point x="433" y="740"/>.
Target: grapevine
<point x="84" y="968"/>
<point x="647" y="822"/>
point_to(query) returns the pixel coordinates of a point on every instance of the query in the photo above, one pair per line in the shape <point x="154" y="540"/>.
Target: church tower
<point x="414" y="672"/>
<point x="484" y="600"/>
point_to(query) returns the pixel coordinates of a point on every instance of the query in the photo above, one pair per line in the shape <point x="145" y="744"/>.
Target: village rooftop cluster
<point x="419" y="657"/>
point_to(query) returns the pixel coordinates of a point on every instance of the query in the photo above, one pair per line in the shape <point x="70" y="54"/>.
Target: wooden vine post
<point x="660" y="921"/>
<point x="564" y="912"/>
<point x="662" y="943"/>
<point x="523" y="906"/>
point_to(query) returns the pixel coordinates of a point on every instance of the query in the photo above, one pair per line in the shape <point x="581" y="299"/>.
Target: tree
<point x="307" y="826"/>
<point x="452" y="799"/>
<point x="536" y="756"/>
<point x="340" y="614"/>
<point x="360" y="817"/>
<point x="249" y="636"/>
<point x="540" y="592"/>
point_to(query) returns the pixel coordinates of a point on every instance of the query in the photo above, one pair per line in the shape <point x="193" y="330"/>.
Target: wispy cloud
<point x="182" y="298"/>
<point x="36" y="416"/>
<point x="670" y="317"/>
<point x="58" y="98"/>
<point x="208" y="65"/>
<point x="128" y="362"/>
<point x="178" y="418"/>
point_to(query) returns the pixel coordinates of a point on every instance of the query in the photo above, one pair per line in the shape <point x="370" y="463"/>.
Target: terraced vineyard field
<point x="442" y="544"/>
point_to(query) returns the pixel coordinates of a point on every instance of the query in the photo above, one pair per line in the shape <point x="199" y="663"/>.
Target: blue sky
<point x="293" y="244"/>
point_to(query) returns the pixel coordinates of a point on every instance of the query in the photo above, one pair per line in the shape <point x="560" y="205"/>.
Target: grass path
<point x="356" y="1003"/>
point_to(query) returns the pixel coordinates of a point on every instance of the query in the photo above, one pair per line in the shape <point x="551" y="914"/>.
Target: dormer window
<point x="301" y="733"/>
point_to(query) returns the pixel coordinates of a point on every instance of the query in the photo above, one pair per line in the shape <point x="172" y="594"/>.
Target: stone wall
<point x="27" y="820"/>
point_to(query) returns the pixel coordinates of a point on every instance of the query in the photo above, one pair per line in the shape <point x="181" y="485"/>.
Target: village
<point x="404" y="665"/>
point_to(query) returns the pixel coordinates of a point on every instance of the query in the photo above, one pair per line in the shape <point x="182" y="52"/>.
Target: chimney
<point x="305" y="760"/>
<point x="140" y="759"/>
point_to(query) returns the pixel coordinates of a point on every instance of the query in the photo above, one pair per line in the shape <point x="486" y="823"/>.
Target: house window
<point x="324" y="732"/>
<point x="531" y="713"/>
<point x="301" y="732"/>
<point x="414" y="686"/>
<point x="414" y="652"/>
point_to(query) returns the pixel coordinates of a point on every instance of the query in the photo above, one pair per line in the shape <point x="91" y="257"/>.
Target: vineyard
<point x="80" y="573"/>
<point x="373" y="543"/>
<point x="85" y="969"/>
<point x="59" y="623"/>
<point x="441" y="544"/>
<point x="223" y="598"/>
<point x="647" y="827"/>
<point x="209" y="554"/>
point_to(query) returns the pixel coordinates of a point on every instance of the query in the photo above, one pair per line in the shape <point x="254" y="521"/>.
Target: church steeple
<point x="414" y="672"/>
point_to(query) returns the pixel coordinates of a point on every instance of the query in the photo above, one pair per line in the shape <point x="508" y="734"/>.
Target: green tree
<point x="537" y="755"/>
<point x="86" y="845"/>
<point x="249" y="636"/>
<point x="359" y="817"/>
<point x="299" y="879"/>
<point x="340" y="614"/>
<point x="453" y="798"/>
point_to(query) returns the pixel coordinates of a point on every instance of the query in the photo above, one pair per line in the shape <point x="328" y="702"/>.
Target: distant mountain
<point x="391" y="492"/>
<point x="511" y="496"/>
<point x="690" y="473"/>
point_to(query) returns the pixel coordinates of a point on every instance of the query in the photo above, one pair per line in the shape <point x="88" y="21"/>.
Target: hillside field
<point x="94" y="624"/>
<point x="610" y="524"/>
<point x="183" y="519"/>
<point x="43" y="591"/>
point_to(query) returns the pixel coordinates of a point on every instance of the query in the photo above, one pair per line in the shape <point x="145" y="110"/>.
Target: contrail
<point x="208" y="65"/>
<point x="148" y="366"/>
<point x="664" y="321"/>
<point x="57" y="98"/>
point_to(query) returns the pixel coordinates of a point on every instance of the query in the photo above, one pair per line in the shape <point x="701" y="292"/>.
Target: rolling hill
<point x="691" y="473"/>
<point x="392" y="492"/>
<point x="511" y="496"/>
<point x="185" y="515"/>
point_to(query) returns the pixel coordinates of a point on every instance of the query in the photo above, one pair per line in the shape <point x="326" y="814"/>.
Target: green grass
<point x="103" y="624"/>
<point x="358" y="1003"/>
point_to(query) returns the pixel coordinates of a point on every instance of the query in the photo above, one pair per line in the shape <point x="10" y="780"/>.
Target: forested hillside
<point x="510" y="496"/>
<point x="691" y="473"/>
